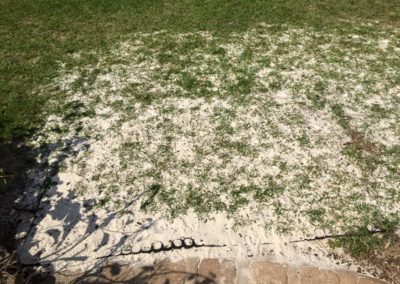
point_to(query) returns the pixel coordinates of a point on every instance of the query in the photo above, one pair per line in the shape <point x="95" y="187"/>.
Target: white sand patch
<point x="183" y="150"/>
<point x="383" y="44"/>
<point x="245" y="155"/>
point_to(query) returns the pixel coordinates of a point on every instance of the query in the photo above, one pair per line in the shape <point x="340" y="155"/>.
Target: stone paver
<point x="313" y="275"/>
<point x="173" y="272"/>
<point x="347" y="277"/>
<point x="191" y="268"/>
<point x="213" y="270"/>
<point x="219" y="271"/>
<point x="264" y="272"/>
<point x="369" y="281"/>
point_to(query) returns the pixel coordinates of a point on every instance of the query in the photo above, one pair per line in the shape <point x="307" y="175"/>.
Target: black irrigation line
<point x="318" y="238"/>
<point x="190" y="243"/>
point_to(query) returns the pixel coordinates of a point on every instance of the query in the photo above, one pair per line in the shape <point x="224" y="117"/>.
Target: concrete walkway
<point x="221" y="271"/>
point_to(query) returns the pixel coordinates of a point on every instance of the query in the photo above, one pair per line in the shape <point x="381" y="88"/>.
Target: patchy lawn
<point x="293" y="130"/>
<point x="240" y="126"/>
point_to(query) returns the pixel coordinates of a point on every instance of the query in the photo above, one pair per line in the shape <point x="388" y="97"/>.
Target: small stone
<point x="126" y="250"/>
<point x="168" y="245"/>
<point x="157" y="246"/>
<point x="177" y="243"/>
<point x="188" y="242"/>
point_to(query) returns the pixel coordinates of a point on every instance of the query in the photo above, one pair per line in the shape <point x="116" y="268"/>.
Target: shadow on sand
<point x="163" y="272"/>
<point x="31" y="194"/>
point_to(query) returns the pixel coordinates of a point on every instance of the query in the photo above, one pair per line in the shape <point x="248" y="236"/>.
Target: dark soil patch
<point x="386" y="259"/>
<point x="15" y="161"/>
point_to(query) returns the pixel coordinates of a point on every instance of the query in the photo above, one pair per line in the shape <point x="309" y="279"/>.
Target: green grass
<point x="362" y="240"/>
<point x="182" y="62"/>
<point x="36" y="35"/>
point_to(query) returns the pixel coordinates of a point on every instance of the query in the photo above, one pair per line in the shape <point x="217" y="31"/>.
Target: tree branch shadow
<point x="158" y="273"/>
<point x="32" y="194"/>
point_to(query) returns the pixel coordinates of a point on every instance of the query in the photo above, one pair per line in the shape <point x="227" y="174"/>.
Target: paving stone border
<point x="213" y="270"/>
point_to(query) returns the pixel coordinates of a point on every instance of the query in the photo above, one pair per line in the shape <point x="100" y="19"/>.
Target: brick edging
<point x="214" y="270"/>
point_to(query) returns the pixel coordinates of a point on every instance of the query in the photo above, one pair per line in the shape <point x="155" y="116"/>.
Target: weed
<point x="357" y="242"/>
<point x="361" y="240"/>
